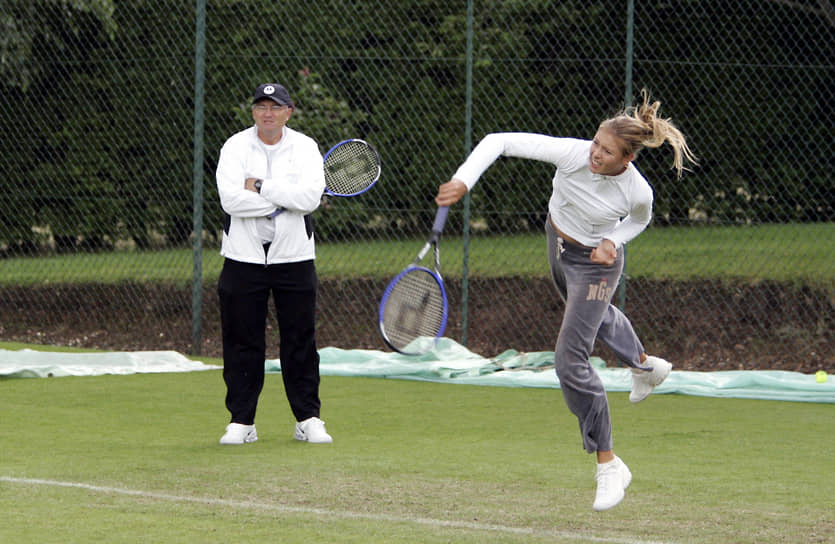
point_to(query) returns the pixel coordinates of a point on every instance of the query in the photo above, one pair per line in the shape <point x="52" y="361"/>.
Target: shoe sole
<point x="248" y="439"/>
<point x="653" y="384"/>
<point x="635" y="399"/>
<point x="237" y="443"/>
<point x="302" y="438"/>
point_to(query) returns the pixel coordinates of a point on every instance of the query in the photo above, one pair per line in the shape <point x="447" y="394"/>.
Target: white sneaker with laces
<point x="312" y="430"/>
<point x="237" y="433"/>
<point x="612" y="480"/>
<point x="643" y="381"/>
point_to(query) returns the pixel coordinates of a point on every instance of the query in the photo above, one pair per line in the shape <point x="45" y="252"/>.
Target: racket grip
<point x="440" y="219"/>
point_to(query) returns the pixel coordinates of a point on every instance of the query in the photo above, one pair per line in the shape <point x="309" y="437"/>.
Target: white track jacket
<point x="293" y="179"/>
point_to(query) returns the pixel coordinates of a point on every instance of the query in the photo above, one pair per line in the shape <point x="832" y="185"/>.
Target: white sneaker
<point x="643" y="381"/>
<point x="237" y="433"/>
<point x="612" y="480"/>
<point x="312" y="430"/>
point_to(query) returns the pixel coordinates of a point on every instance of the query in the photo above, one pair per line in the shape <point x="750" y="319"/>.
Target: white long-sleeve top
<point x="293" y="178"/>
<point x="587" y="207"/>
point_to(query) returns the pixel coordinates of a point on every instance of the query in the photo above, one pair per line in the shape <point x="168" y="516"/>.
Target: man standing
<point x="267" y="168"/>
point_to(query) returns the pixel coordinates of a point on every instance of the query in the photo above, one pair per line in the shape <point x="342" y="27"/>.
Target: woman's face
<point x="606" y="157"/>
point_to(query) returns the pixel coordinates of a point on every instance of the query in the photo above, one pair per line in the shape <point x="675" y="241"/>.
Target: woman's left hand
<point x="605" y="253"/>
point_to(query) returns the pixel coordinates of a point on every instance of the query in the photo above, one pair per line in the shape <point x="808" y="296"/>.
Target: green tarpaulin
<point x="449" y="362"/>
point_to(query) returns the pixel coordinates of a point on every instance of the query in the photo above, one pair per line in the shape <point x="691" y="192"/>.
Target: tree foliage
<point x="97" y="104"/>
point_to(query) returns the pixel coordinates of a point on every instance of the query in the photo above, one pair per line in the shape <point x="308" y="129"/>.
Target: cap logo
<point x="269" y="89"/>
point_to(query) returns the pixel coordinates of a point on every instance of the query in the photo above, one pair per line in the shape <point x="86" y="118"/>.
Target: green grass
<point x="127" y="459"/>
<point x="788" y="253"/>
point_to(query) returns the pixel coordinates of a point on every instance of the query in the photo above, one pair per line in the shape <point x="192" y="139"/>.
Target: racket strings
<point x="351" y="167"/>
<point x="414" y="308"/>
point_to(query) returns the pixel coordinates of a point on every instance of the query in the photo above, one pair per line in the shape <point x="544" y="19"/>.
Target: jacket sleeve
<point x="299" y="186"/>
<point x="538" y="147"/>
<point x="231" y="174"/>
<point x="639" y="216"/>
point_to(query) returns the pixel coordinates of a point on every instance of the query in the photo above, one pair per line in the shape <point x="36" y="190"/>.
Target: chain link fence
<point x="113" y="114"/>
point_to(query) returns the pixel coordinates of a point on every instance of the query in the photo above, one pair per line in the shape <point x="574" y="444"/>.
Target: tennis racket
<point x="414" y="308"/>
<point x="351" y="168"/>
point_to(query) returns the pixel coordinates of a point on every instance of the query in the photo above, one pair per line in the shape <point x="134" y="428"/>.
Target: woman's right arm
<point x="522" y="145"/>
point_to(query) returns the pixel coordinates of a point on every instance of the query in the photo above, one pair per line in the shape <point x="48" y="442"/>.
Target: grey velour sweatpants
<point x="587" y="289"/>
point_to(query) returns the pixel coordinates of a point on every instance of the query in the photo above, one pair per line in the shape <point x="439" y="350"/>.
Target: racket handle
<point x="440" y="220"/>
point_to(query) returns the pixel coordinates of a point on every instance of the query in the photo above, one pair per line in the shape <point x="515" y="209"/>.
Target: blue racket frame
<point x="325" y="158"/>
<point x="437" y="228"/>
<point x="412" y="269"/>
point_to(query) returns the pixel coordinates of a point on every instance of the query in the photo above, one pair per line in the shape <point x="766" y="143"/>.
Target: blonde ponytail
<point x="640" y="127"/>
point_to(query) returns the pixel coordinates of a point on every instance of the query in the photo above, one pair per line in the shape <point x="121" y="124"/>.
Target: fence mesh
<point x="101" y="106"/>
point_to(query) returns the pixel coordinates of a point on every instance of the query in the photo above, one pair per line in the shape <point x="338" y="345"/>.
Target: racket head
<point x="351" y="168"/>
<point x="413" y="311"/>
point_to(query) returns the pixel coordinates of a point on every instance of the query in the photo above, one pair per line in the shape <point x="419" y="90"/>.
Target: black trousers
<point x="244" y="290"/>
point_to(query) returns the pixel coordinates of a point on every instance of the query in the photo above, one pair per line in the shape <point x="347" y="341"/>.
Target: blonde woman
<point x="599" y="203"/>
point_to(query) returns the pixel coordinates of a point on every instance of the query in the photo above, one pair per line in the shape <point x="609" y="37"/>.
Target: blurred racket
<point x="351" y="168"/>
<point x="414" y="307"/>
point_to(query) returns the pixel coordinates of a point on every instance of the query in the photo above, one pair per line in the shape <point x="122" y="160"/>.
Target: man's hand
<point x="249" y="185"/>
<point x="450" y="192"/>
<point x="605" y="253"/>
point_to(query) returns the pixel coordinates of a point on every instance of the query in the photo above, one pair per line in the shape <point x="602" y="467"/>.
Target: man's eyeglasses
<point x="261" y="108"/>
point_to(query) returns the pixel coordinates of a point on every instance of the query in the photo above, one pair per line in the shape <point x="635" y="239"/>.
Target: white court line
<point x="325" y="512"/>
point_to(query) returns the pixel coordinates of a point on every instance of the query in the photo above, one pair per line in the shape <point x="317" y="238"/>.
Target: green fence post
<point x="630" y="26"/>
<point x="468" y="139"/>
<point x="197" y="274"/>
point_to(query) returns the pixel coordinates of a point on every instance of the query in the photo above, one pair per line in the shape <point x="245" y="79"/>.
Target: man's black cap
<point x="275" y="92"/>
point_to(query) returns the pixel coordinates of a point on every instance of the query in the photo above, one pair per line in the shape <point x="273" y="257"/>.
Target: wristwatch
<point x="258" y="183"/>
